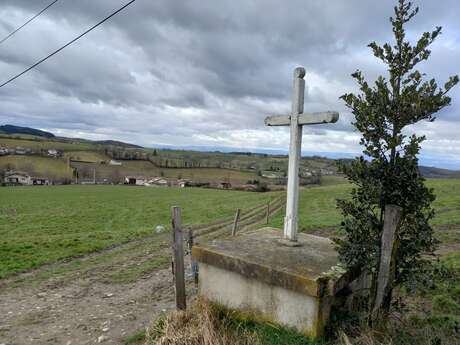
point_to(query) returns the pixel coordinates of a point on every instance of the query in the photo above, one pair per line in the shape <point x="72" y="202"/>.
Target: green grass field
<point x="318" y="204"/>
<point x="40" y="143"/>
<point x="88" y="156"/>
<point x="146" y="168"/>
<point x="44" y="224"/>
<point x="52" y="168"/>
<point x="57" y="168"/>
<point x="207" y="174"/>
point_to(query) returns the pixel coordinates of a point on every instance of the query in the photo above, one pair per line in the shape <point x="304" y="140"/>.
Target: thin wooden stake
<point x="268" y="212"/>
<point x="193" y="263"/>
<point x="189" y="240"/>
<point x="178" y="258"/>
<point x="388" y="247"/>
<point x="235" y="222"/>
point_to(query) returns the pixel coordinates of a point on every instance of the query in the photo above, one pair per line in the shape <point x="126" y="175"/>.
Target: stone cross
<point x="296" y="120"/>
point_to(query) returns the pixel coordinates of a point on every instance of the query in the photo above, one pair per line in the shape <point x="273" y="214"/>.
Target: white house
<point x="183" y="183"/>
<point x="16" y="177"/>
<point x="114" y="162"/>
<point x="270" y="175"/>
<point x="158" y="181"/>
<point x="40" y="181"/>
<point x="20" y="151"/>
<point x="136" y="180"/>
<point x="52" y="153"/>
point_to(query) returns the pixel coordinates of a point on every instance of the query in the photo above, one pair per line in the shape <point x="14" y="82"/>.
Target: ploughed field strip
<point x="247" y="221"/>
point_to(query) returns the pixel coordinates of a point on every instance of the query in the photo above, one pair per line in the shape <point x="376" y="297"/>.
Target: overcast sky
<point x="207" y="73"/>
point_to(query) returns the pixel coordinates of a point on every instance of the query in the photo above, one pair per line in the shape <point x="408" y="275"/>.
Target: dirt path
<point x="83" y="312"/>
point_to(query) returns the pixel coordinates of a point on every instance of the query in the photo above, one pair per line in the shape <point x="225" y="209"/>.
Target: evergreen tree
<point x="387" y="173"/>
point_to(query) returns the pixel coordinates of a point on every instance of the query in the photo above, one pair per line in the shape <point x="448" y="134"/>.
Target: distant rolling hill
<point x="117" y="143"/>
<point x="259" y="164"/>
<point x="11" y="129"/>
<point x="432" y="172"/>
<point x="18" y="130"/>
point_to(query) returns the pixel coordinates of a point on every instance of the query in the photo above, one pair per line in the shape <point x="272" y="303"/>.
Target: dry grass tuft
<point x="199" y="325"/>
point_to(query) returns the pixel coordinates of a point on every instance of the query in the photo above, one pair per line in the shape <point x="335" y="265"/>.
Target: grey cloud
<point x="211" y="67"/>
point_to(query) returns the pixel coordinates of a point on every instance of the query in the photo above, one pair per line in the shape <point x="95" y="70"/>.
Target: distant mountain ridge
<point x="432" y="172"/>
<point x="118" y="143"/>
<point x="11" y="129"/>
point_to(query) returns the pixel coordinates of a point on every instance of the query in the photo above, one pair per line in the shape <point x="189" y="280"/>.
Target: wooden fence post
<point x="387" y="256"/>
<point x="235" y="222"/>
<point x="268" y="212"/>
<point x="178" y="258"/>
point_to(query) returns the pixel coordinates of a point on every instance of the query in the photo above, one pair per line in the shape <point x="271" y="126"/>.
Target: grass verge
<point x="205" y="323"/>
<point x="135" y="339"/>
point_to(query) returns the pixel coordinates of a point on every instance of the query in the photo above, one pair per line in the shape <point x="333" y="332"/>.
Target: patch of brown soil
<point x="83" y="308"/>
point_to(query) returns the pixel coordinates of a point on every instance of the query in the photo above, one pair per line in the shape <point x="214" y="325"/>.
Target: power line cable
<point x="27" y="22"/>
<point x="67" y="44"/>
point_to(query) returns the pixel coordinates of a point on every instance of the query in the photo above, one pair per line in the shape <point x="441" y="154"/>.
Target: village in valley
<point x="229" y="173"/>
<point x="88" y="163"/>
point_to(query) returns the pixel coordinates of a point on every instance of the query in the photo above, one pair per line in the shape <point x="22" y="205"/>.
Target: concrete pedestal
<point x="292" y="286"/>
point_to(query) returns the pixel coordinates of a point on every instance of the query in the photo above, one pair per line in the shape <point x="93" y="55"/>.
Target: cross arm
<point x="304" y="119"/>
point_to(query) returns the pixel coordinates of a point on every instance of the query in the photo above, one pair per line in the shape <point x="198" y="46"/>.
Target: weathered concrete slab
<point x="274" y="304"/>
<point x="260" y="255"/>
<point x="294" y="286"/>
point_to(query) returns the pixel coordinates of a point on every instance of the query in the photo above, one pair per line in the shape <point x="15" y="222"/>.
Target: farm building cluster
<point x="22" y="178"/>
<point x="181" y="183"/>
<point x="21" y="151"/>
<point x="149" y="181"/>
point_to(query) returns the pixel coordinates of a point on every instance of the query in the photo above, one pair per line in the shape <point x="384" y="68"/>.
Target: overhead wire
<point x="27" y="22"/>
<point x="67" y="44"/>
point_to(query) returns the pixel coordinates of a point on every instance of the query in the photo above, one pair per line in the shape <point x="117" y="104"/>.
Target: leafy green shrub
<point x="387" y="173"/>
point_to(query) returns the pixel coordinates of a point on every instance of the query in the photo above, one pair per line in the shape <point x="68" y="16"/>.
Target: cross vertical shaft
<point x="292" y="205"/>
<point x="296" y="120"/>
